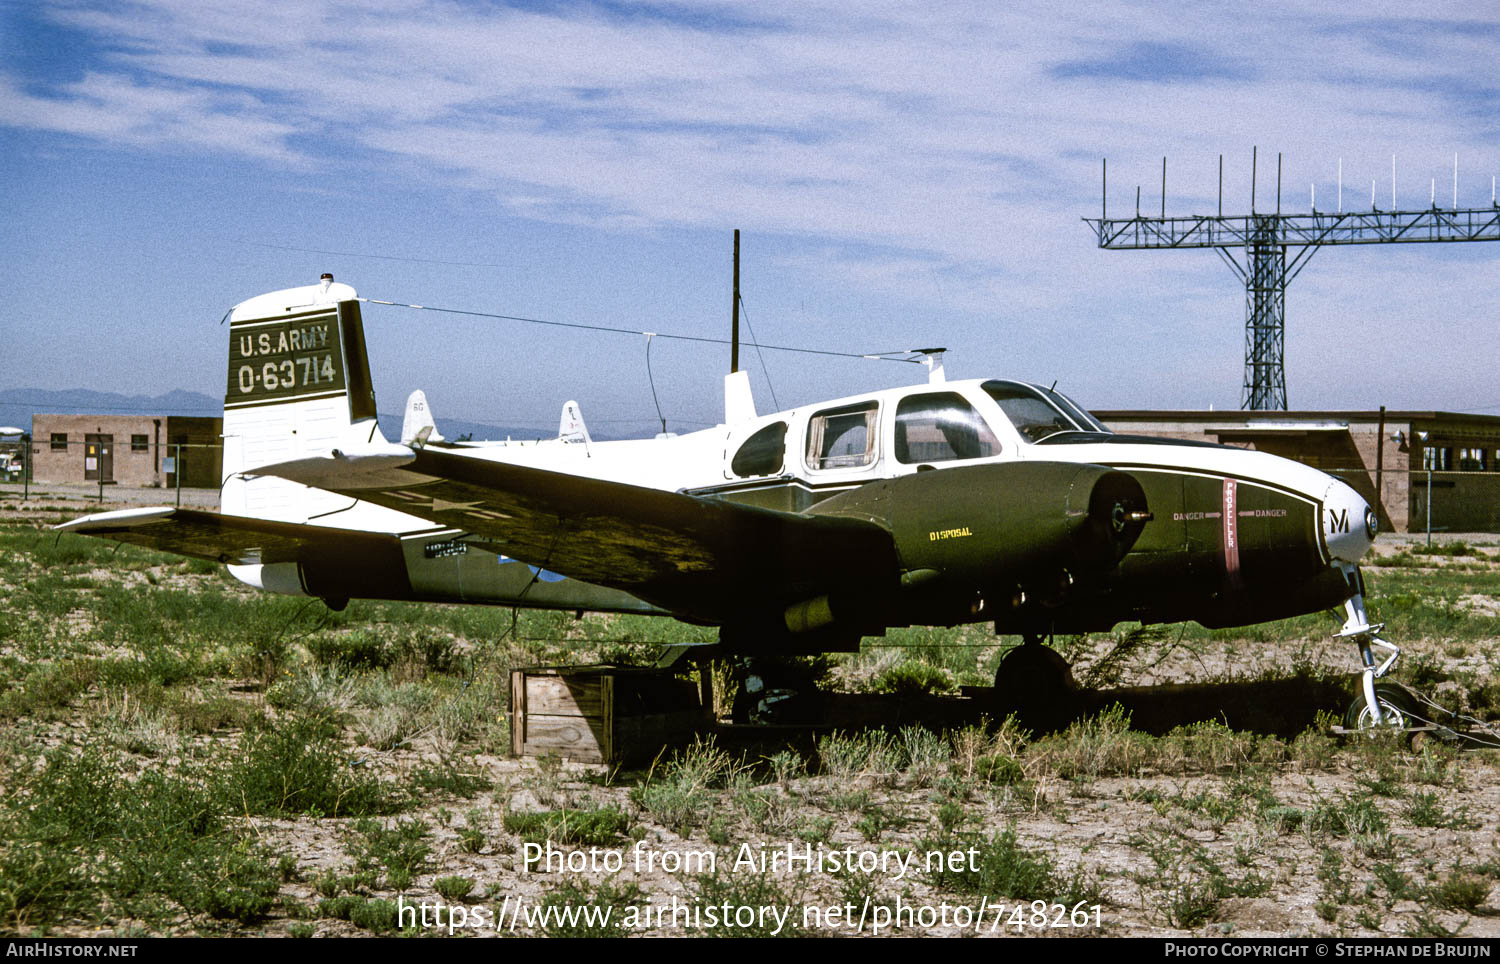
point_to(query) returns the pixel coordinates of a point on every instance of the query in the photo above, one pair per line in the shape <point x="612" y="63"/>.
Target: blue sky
<point x="904" y="174"/>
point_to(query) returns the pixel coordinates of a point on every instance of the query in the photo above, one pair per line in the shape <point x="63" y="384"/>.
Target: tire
<point x="1396" y="705"/>
<point x="1035" y="683"/>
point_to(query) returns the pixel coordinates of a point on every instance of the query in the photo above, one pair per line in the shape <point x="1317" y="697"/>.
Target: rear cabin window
<point x="842" y="438"/>
<point x="941" y="427"/>
<point x="762" y="453"/>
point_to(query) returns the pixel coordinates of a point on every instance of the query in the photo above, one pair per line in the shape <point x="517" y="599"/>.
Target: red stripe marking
<point x="1231" y="530"/>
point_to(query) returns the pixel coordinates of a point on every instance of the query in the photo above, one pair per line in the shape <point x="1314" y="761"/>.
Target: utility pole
<point x="734" y="311"/>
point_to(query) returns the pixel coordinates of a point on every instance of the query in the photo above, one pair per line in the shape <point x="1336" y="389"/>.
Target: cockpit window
<point x="1033" y="415"/>
<point x="941" y="427"/>
<point x="1078" y="412"/>
<point x="762" y="452"/>
<point x="842" y="437"/>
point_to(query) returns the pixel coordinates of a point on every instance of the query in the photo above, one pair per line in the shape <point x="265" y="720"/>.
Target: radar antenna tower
<point x="1276" y="247"/>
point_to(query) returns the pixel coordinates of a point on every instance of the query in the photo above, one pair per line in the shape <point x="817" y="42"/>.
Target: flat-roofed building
<point x="127" y="449"/>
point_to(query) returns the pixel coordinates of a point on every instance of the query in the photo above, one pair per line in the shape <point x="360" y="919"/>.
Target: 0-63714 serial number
<point x="273" y="376"/>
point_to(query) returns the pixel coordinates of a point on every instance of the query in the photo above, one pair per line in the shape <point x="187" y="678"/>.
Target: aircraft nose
<point x="1349" y="524"/>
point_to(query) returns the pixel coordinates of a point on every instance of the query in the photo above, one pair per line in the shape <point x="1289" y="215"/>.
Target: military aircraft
<point x="794" y="532"/>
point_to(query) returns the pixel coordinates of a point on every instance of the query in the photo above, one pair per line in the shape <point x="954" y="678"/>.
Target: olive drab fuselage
<point x="1234" y="536"/>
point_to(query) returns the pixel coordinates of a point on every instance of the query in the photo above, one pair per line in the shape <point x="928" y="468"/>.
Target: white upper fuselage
<point x="703" y="462"/>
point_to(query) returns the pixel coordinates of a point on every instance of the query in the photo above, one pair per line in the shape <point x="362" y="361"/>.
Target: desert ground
<point x="180" y="755"/>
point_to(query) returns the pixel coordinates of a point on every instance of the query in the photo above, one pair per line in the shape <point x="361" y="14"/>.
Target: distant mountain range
<point x="18" y="405"/>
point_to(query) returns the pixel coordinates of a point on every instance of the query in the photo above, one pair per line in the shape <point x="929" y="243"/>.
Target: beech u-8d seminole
<point x="796" y="532"/>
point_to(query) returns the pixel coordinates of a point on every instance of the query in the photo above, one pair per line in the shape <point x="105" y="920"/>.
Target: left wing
<point x="701" y="558"/>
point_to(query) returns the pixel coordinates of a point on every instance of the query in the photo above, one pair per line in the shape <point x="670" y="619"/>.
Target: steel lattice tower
<point x="1266" y="270"/>
<point x="1265" y="318"/>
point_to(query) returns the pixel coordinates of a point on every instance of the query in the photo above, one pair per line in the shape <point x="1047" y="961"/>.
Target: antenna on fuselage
<point x="933" y="359"/>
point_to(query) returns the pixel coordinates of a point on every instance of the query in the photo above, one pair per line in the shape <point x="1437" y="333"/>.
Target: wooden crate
<point x="600" y="714"/>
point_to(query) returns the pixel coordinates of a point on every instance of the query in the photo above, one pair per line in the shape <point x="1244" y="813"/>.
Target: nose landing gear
<point x="1381" y="706"/>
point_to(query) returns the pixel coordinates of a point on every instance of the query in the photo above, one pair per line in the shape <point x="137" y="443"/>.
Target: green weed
<point x="602" y="826"/>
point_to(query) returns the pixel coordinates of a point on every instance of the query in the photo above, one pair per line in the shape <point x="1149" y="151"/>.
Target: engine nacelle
<point x="994" y="528"/>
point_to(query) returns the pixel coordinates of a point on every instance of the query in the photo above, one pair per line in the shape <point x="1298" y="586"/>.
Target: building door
<point x="98" y="458"/>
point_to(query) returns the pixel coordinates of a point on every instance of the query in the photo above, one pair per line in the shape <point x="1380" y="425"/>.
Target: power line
<point x="92" y="409"/>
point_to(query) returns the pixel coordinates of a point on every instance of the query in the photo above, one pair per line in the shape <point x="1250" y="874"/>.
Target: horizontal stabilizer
<point x="235" y="540"/>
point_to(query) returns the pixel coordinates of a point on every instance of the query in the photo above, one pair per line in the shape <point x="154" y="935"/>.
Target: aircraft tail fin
<point x="571" y="427"/>
<point x="299" y="386"/>
<point x="418" y="427"/>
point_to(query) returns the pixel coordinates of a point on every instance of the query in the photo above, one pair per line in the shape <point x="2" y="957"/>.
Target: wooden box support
<point x="600" y="714"/>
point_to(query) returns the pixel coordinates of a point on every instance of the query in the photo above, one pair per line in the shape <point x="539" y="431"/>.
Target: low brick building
<point x="1398" y="451"/>
<point x="127" y="449"/>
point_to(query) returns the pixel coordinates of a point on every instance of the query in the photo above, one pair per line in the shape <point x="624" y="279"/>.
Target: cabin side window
<point x="842" y="438"/>
<point x="941" y="427"/>
<point x="762" y="453"/>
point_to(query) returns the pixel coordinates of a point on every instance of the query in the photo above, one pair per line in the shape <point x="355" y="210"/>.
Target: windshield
<point x="1078" y="412"/>
<point x="1036" y="415"/>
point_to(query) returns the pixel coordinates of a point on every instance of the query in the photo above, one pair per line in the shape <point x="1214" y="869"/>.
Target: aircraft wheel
<point x="768" y="691"/>
<point x="1035" y="683"/>
<point x="1396" y="706"/>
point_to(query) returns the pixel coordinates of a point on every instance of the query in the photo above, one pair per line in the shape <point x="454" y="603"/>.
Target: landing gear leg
<point x="1357" y="629"/>
<point x="772" y="690"/>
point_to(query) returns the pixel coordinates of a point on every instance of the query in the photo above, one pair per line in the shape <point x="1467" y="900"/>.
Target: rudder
<point x="298" y="386"/>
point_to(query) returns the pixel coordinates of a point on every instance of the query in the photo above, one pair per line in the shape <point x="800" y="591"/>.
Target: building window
<point x="1435" y="459"/>
<point x="139" y="443"/>
<point x="59" y="441"/>
<point x="1471" y="460"/>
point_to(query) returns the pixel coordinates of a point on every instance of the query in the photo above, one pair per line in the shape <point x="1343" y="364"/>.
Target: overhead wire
<point x="701" y="339"/>
<point x="652" y="379"/>
<point x="765" y="369"/>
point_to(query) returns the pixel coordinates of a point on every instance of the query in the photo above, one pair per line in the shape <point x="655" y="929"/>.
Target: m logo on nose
<point x="1338" y="521"/>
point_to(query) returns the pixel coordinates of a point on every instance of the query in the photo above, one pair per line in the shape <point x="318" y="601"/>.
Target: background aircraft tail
<point x="570" y="427"/>
<point x="299" y="386"/>
<point x="418" y="420"/>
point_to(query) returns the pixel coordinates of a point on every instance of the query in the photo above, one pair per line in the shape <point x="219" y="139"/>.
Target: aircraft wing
<point x="222" y="538"/>
<point x="699" y="558"/>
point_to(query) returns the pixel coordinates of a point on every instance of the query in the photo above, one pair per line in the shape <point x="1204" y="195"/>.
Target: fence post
<point x="1429" y="505"/>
